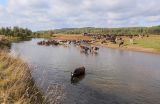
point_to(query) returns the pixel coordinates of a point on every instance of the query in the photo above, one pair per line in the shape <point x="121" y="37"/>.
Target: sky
<point x="53" y="14"/>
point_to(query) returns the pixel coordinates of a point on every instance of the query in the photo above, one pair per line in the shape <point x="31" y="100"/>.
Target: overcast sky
<point x="51" y="14"/>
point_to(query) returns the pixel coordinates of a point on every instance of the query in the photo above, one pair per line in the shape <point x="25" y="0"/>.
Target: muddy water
<point x="112" y="76"/>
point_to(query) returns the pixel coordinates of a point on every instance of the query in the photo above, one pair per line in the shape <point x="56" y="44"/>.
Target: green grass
<point x="153" y="43"/>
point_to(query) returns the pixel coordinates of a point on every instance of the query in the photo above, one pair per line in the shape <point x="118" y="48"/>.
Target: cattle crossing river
<point x="112" y="76"/>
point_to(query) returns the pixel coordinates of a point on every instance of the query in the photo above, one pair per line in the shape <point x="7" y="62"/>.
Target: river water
<point x="112" y="76"/>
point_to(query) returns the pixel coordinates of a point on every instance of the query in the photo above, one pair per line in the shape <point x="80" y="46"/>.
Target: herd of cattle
<point x="111" y="38"/>
<point x="115" y="39"/>
<point x="84" y="45"/>
<point x="48" y="43"/>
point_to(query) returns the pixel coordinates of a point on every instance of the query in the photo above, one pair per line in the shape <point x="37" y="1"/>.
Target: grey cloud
<point x="50" y="14"/>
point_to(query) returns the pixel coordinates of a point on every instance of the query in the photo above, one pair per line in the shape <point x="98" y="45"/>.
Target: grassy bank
<point x="146" y="44"/>
<point x="5" y="42"/>
<point x="151" y="42"/>
<point x="16" y="83"/>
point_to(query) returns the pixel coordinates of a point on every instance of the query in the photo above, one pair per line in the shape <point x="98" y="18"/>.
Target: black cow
<point x="78" y="72"/>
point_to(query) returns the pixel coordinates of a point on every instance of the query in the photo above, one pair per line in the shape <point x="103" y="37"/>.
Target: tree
<point x="16" y="32"/>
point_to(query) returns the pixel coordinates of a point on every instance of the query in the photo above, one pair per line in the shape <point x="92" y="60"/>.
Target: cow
<point x="121" y="43"/>
<point x="78" y="72"/>
<point x="94" y="49"/>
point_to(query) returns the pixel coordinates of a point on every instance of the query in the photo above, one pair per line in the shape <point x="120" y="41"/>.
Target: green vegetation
<point x="152" y="42"/>
<point x="15" y="32"/>
<point x="5" y="44"/>
<point x="111" y="31"/>
<point x="145" y="44"/>
<point x="24" y="33"/>
<point x="42" y="35"/>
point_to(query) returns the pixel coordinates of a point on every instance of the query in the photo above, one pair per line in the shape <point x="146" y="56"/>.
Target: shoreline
<point x="16" y="81"/>
<point x="113" y="46"/>
<point x="17" y="84"/>
<point x="142" y="50"/>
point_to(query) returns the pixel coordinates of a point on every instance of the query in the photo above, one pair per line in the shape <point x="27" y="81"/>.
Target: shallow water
<point x="112" y="76"/>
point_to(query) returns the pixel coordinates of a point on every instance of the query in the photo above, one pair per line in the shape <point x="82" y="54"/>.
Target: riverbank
<point x="16" y="83"/>
<point x="5" y="42"/>
<point x="149" y="44"/>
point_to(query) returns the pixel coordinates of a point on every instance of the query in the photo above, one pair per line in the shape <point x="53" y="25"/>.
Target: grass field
<point x="150" y="42"/>
<point x="145" y="44"/>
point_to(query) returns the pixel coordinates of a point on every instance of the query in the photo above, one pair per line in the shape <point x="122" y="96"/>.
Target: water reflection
<point x="76" y="80"/>
<point x="88" y="53"/>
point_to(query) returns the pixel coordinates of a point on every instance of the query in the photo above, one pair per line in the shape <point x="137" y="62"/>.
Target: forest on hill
<point x="111" y="31"/>
<point x="24" y="32"/>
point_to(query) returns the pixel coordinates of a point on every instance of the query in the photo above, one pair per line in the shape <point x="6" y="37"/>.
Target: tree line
<point x="155" y="30"/>
<point x="24" y="32"/>
<point x="15" y="32"/>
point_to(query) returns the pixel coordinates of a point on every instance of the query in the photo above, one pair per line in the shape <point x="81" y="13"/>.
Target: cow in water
<point x="84" y="48"/>
<point x="78" y="72"/>
<point x="94" y="49"/>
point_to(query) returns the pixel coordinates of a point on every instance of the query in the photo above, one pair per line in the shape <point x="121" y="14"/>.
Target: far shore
<point x="149" y="44"/>
<point x="136" y="49"/>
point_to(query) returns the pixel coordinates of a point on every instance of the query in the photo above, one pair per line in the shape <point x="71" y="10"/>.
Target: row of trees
<point x="23" y="33"/>
<point x="118" y="31"/>
<point x="15" y="32"/>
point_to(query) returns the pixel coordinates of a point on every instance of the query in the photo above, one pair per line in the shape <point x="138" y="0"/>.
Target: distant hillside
<point x="116" y="31"/>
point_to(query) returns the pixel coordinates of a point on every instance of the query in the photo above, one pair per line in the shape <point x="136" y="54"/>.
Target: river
<point x="112" y="76"/>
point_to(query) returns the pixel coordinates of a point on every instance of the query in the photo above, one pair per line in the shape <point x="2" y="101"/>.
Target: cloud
<point x="50" y="14"/>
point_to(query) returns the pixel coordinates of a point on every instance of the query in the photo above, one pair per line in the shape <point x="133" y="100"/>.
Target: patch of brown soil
<point x="72" y="37"/>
